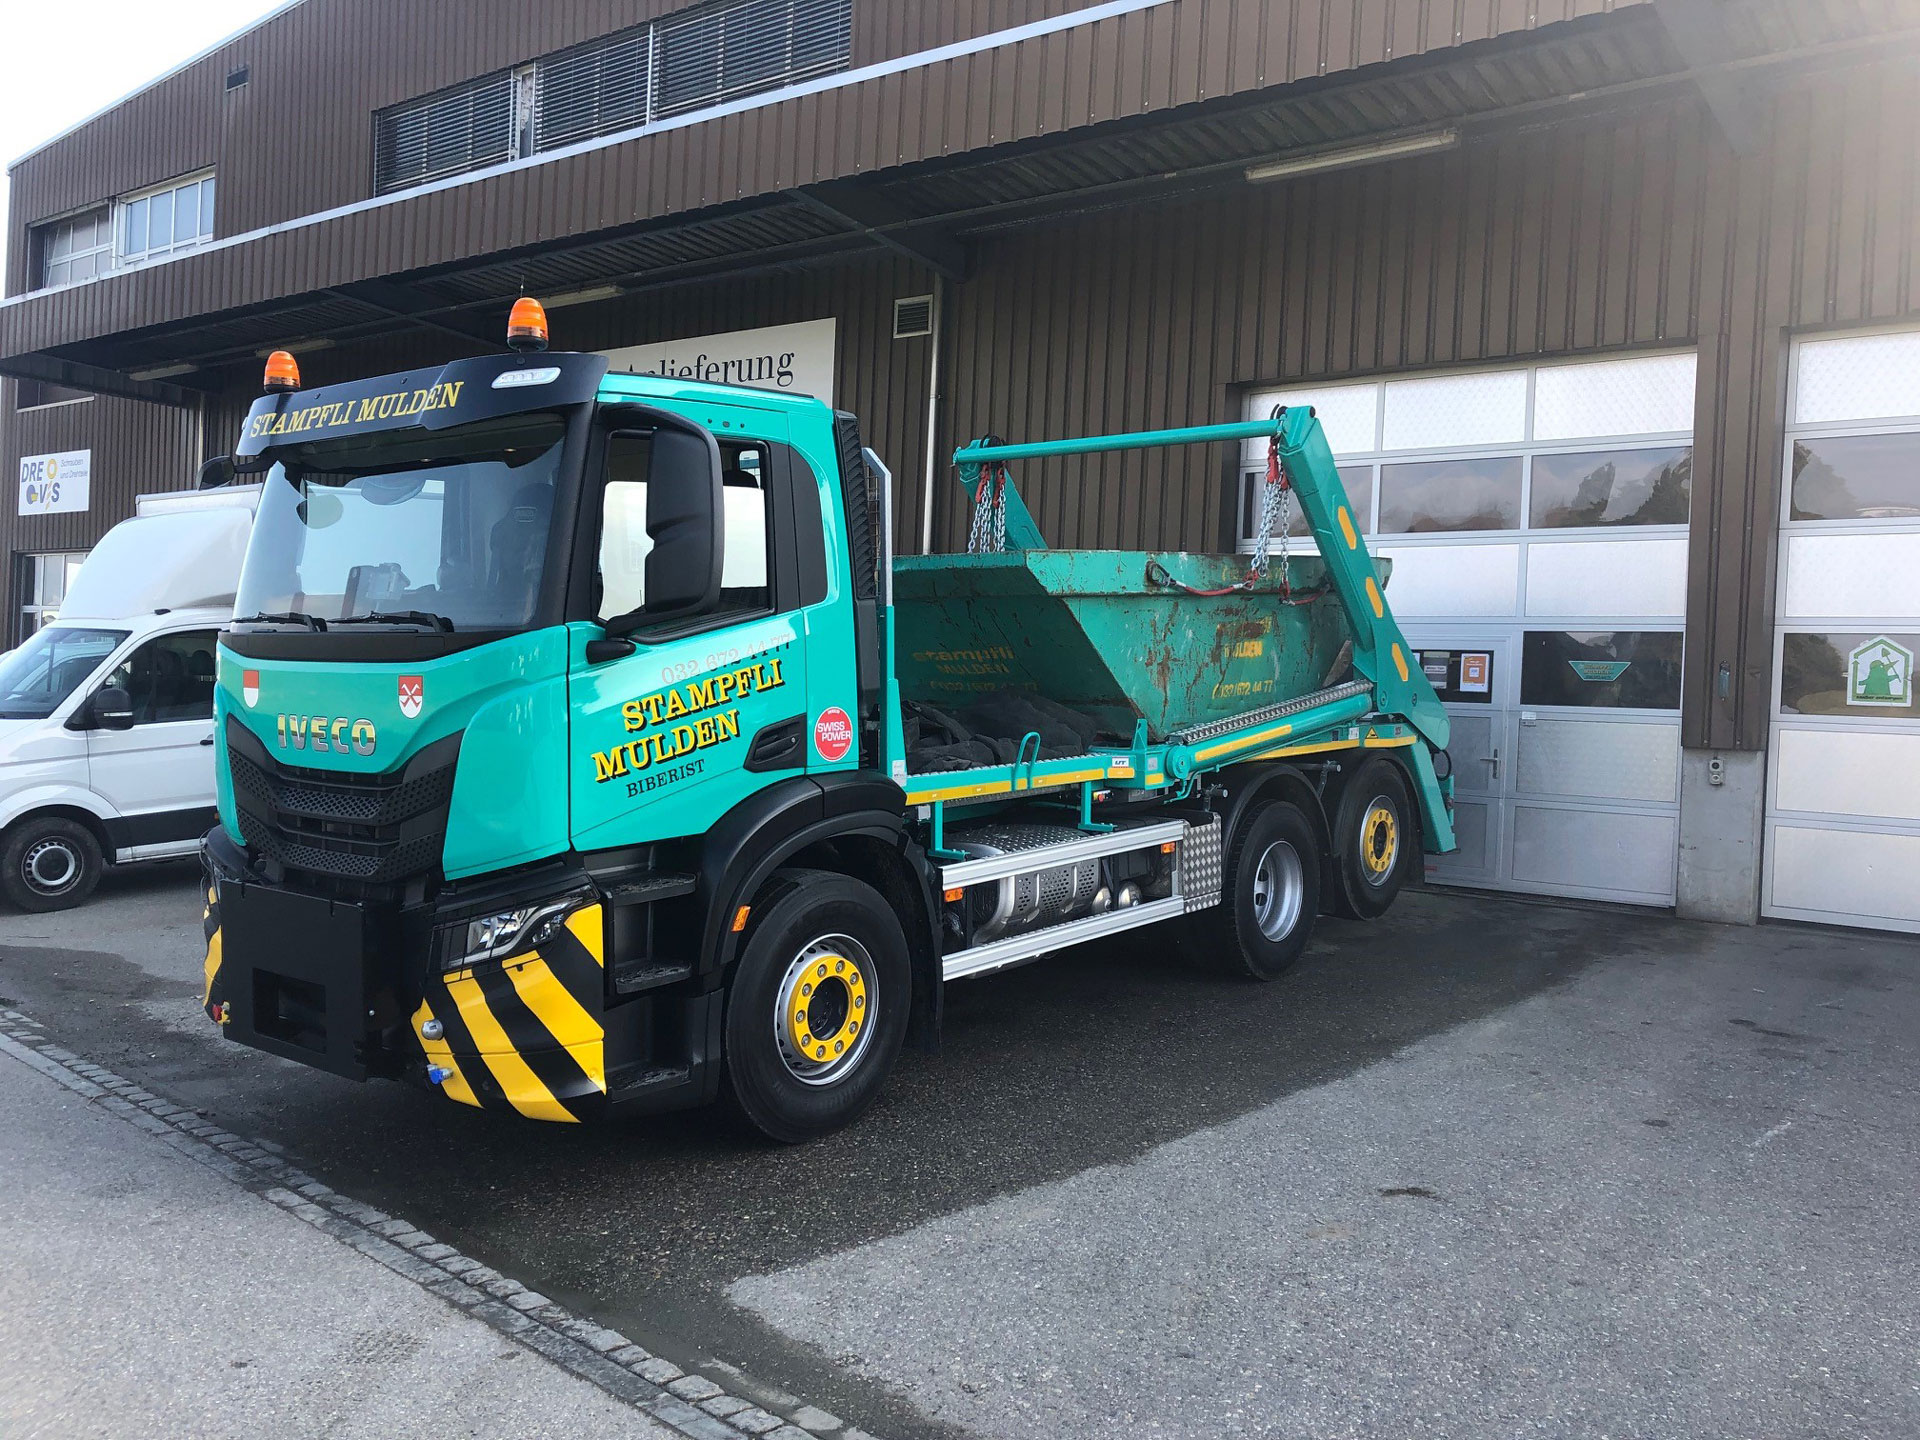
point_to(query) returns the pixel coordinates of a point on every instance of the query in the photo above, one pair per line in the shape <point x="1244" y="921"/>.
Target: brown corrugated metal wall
<point x="137" y="448"/>
<point x="1533" y="243"/>
<point x="1174" y="54"/>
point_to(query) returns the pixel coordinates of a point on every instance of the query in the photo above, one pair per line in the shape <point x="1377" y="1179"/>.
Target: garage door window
<point x="1601" y="669"/>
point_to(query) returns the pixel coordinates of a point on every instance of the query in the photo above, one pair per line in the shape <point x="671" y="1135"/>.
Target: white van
<point x="106" y="714"/>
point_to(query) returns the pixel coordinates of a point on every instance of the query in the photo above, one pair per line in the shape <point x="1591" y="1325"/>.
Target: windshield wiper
<point x="401" y="617"/>
<point x="284" y="617"/>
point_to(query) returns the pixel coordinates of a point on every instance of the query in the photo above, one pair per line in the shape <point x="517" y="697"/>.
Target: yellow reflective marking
<point x="1318" y="748"/>
<point x="1389" y="744"/>
<point x="523" y="1088"/>
<point x="589" y="928"/>
<point x="959" y="792"/>
<point x="441" y="1054"/>
<point x="1379" y="605"/>
<point x="1399" y="658"/>
<point x="1254" y="739"/>
<point x="1346" y="529"/>
<point x="212" y="969"/>
<point x="554" y="1006"/>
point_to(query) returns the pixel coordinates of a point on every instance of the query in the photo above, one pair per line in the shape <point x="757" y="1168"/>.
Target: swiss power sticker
<point x="833" y="734"/>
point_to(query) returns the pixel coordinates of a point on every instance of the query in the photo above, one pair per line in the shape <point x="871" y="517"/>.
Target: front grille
<point x="373" y="829"/>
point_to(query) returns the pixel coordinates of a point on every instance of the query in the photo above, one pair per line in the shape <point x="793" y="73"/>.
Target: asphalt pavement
<point x="1486" y="1167"/>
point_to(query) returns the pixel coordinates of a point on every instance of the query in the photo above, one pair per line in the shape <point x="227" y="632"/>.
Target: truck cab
<point x="562" y="761"/>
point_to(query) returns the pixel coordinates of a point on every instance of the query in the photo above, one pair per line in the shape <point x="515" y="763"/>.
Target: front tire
<point x="49" y="863"/>
<point x="1269" y="896"/>
<point x="817" y="1009"/>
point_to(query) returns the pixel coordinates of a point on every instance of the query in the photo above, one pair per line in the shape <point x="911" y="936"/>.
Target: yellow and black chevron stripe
<point x="526" y="1033"/>
<point x="213" y="998"/>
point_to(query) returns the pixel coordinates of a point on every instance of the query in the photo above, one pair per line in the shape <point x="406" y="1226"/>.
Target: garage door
<point x="1536" y="518"/>
<point x="1843" y="811"/>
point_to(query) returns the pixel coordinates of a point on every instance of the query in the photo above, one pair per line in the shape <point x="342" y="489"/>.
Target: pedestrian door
<point x="1472" y="679"/>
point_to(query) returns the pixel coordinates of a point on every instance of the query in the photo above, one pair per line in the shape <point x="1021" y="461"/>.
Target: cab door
<point x="159" y="774"/>
<point x="706" y="711"/>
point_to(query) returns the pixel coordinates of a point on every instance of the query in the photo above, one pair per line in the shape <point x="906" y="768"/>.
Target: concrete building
<point x="1611" y="307"/>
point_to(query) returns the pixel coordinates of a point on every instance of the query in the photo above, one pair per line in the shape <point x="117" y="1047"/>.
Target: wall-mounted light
<point x="584" y="297"/>
<point x="1348" y="156"/>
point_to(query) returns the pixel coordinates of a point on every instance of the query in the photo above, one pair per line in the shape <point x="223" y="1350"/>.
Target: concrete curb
<point x="693" y="1405"/>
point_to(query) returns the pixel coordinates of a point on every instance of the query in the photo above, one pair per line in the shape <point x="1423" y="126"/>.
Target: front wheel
<point x="50" y="863"/>
<point x="817" y="1010"/>
<point x="1270" y="894"/>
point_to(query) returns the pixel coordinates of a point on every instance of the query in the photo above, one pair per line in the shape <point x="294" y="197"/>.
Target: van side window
<point x="169" y="678"/>
<point x="745" y="575"/>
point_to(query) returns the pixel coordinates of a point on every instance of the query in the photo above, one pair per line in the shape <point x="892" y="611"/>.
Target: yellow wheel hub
<point x="1379" y="841"/>
<point x="826" y="1008"/>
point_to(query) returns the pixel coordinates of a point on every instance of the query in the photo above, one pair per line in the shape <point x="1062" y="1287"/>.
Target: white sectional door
<point x="1843" y="796"/>
<point x="1537" y="516"/>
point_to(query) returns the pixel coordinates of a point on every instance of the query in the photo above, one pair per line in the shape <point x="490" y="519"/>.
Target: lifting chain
<point x="988" y="533"/>
<point x="1276" y="516"/>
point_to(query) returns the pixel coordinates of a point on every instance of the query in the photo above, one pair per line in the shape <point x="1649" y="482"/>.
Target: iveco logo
<point x="322" y="732"/>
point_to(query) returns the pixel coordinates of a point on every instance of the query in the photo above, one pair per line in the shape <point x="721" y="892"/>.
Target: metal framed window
<point x="695" y="58"/>
<point x="168" y="218"/>
<point x="43" y="588"/>
<point x="78" y="247"/>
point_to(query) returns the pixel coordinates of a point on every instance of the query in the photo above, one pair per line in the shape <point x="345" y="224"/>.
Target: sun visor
<point x="483" y="388"/>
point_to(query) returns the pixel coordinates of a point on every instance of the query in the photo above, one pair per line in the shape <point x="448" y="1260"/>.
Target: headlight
<point x="510" y="932"/>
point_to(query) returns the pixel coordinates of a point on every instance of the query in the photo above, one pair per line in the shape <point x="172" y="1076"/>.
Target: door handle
<point x="207" y="740"/>
<point x="1493" y="760"/>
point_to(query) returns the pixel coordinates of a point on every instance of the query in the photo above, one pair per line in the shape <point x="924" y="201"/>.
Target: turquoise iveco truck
<point x="582" y="745"/>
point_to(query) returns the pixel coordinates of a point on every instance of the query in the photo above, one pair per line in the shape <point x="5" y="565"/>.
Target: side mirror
<point x="685" y="522"/>
<point x="216" y="472"/>
<point x="110" y="708"/>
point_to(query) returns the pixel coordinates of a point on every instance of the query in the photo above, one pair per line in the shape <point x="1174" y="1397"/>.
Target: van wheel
<point x="50" y="863"/>
<point x="1269" y="896"/>
<point x="817" y="1009"/>
<point x="1375" y="841"/>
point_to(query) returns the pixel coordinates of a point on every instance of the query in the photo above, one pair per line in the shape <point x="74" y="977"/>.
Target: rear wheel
<point x="1374" y="841"/>
<point x="1269" y="895"/>
<point x="817" y="1010"/>
<point x="50" y="863"/>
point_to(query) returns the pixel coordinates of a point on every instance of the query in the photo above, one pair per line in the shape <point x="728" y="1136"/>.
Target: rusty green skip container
<point x="1091" y="630"/>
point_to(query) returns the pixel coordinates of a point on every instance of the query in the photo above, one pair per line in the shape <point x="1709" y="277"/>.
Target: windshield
<point x="446" y="531"/>
<point x="39" y="675"/>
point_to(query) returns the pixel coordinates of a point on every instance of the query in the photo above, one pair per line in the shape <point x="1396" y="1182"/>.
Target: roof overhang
<point x="933" y="211"/>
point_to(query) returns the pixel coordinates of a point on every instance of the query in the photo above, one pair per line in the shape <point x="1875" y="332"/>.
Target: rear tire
<point x="817" y="1008"/>
<point x="1375" y="840"/>
<point x="1269" y="895"/>
<point x="50" y="863"/>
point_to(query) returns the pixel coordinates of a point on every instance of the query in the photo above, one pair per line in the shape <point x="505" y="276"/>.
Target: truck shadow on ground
<point x="1085" y="1059"/>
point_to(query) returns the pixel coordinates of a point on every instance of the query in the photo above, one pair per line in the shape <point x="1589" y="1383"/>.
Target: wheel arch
<point x="852" y="823"/>
<point x="1248" y="786"/>
<point x="66" y="810"/>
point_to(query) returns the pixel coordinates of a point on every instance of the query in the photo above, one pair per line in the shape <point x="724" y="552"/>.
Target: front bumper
<point x="355" y="990"/>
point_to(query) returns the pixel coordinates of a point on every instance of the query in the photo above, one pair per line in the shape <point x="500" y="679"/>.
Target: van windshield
<point x="43" y="672"/>
<point x="443" y="532"/>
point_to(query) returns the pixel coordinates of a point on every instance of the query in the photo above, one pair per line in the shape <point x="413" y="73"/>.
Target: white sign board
<point x="54" y="484"/>
<point x="794" y="359"/>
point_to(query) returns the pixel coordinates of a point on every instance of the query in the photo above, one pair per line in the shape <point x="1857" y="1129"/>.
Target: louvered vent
<point x="700" y="57"/>
<point x="457" y="130"/>
<point x="594" y="90"/>
<point x="720" y="51"/>
<point x="913" y="317"/>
